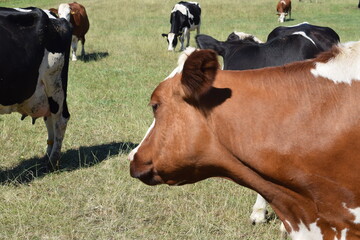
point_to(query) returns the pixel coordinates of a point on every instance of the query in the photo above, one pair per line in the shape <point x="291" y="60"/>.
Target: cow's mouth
<point x="148" y="177"/>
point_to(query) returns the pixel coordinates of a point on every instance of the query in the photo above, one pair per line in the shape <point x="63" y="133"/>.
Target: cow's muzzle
<point x="146" y="174"/>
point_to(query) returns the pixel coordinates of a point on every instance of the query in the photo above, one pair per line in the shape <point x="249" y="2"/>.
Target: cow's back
<point x="324" y="37"/>
<point x="24" y="32"/>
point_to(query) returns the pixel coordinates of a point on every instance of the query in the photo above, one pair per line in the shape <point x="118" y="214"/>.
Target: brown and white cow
<point x="76" y="14"/>
<point x="291" y="133"/>
<point x="283" y="8"/>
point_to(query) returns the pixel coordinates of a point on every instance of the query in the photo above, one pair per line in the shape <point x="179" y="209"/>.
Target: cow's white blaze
<point x="305" y="36"/>
<point x="282" y="17"/>
<point x="64" y="11"/>
<point x="134" y="151"/>
<point x="343" y="68"/>
<point x="181" y="61"/>
<point x="171" y="37"/>
<point x="311" y="232"/>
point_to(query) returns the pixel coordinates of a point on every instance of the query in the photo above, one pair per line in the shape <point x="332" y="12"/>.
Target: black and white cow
<point x="184" y="17"/>
<point x="34" y="60"/>
<point x="324" y="37"/>
<point x="248" y="54"/>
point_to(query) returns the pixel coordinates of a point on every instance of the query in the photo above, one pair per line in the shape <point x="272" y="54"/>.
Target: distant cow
<point x="185" y="17"/>
<point x="283" y="9"/>
<point x="76" y="14"/>
<point x="34" y="59"/>
<point x="324" y="37"/>
<point x="249" y="54"/>
<point x="290" y="133"/>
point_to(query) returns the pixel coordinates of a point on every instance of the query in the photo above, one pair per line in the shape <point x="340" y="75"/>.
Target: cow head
<point x="282" y="16"/>
<point x="172" y="40"/>
<point x="179" y="147"/>
<point x="64" y="11"/>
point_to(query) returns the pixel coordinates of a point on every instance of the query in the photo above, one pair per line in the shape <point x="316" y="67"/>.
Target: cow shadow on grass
<point x="34" y="168"/>
<point x="93" y="56"/>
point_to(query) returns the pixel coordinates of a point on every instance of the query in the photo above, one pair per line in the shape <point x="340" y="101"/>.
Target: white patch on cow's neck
<point x="355" y="212"/>
<point x="134" y="151"/>
<point x="305" y="36"/>
<point x="64" y="11"/>
<point x="243" y="35"/>
<point x="344" y="67"/>
<point x="181" y="61"/>
<point x="22" y="10"/>
<point x="311" y="232"/>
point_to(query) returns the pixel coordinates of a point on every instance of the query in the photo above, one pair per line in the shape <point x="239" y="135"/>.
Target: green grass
<point x="93" y="196"/>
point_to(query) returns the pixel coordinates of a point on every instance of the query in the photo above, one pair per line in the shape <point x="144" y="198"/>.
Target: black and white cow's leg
<point x="187" y="35"/>
<point x="50" y="139"/>
<point x="258" y="214"/>
<point x="74" y="43"/>
<point x="198" y="29"/>
<point x="51" y="70"/>
<point x="181" y="38"/>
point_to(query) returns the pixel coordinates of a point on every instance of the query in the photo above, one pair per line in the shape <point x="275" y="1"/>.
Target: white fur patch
<point x="170" y="38"/>
<point x="311" y="232"/>
<point x="134" y="151"/>
<point x="49" y="14"/>
<point x="181" y="61"/>
<point x="64" y="11"/>
<point x="343" y="234"/>
<point x="296" y="25"/>
<point x="304" y="35"/>
<point x="355" y="212"/>
<point x="22" y="10"/>
<point x="344" y="67"/>
<point x="258" y="214"/>
<point x="243" y="35"/>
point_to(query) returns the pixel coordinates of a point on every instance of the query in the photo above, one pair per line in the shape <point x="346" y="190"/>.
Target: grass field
<point x="93" y="195"/>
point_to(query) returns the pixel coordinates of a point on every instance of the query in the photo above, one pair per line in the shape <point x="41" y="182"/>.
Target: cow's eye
<point x="155" y="106"/>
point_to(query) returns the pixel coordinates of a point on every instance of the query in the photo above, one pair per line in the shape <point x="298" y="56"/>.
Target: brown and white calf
<point x="283" y="9"/>
<point x="291" y="133"/>
<point x="76" y="14"/>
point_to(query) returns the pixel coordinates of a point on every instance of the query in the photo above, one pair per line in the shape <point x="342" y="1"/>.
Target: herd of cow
<point x="287" y="125"/>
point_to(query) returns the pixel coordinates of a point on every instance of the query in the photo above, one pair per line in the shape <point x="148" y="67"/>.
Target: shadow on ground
<point x="30" y="169"/>
<point x="93" y="56"/>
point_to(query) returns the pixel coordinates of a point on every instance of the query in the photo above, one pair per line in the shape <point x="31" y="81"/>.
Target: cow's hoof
<point x="258" y="216"/>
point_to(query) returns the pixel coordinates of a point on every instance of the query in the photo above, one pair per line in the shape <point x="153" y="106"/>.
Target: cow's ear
<point x="164" y="35"/>
<point x="199" y="73"/>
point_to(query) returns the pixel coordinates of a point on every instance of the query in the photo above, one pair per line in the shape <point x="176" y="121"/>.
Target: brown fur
<point x="293" y="138"/>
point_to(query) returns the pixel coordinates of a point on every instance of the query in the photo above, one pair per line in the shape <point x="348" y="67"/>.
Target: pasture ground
<point x="93" y="196"/>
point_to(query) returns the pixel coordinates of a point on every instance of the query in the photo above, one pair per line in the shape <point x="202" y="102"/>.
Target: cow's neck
<point x="257" y="152"/>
